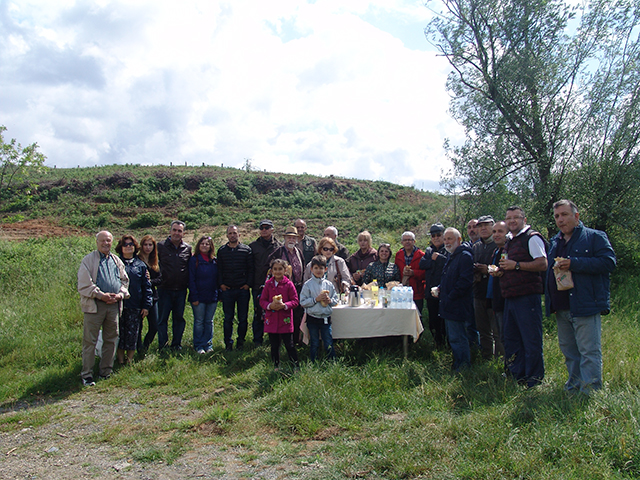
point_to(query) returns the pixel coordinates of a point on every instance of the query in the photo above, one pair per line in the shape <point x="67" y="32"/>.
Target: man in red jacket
<point x="407" y="260"/>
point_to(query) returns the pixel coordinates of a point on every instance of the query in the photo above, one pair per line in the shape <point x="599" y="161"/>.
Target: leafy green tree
<point x="17" y="162"/>
<point x="548" y="96"/>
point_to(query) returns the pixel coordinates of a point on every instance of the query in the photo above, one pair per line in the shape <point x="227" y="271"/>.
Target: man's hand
<point x="144" y="312"/>
<point x="407" y="271"/>
<point x="563" y="263"/>
<point x="224" y="288"/>
<point x="434" y="256"/>
<point x="481" y="268"/>
<point x="244" y="287"/>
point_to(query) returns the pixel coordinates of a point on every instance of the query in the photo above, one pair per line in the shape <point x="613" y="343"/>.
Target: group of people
<point x="484" y="293"/>
<point x="488" y="292"/>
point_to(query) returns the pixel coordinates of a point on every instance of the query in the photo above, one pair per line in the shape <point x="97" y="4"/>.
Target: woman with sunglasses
<point x="203" y="293"/>
<point x="137" y="306"/>
<point x="435" y="256"/>
<point x="382" y="269"/>
<point x="337" y="271"/>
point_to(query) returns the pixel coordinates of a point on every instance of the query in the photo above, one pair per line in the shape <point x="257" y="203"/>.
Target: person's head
<point x="500" y="231"/>
<point x="232" y="234"/>
<point x="278" y="268"/>
<point x="515" y="219"/>
<point x="566" y="215"/>
<point x="327" y="247"/>
<point x="408" y="241"/>
<point x="436" y="231"/>
<point x="301" y="226"/>
<point x="452" y="239"/>
<point x="384" y="252"/>
<point x="266" y="229"/>
<point x="485" y="227"/>
<point x="318" y="266"/>
<point x="127" y="246"/>
<point x="364" y="241"/>
<point x="205" y="247"/>
<point x="331" y="232"/>
<point x="177" y="231"/>
<point x="104" y="240"/>
<point x="472" y="230"/>
<point x="149" y="252"/>
<point x="291" y="238"/>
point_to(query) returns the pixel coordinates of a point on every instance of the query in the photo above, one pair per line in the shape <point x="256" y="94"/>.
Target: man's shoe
<point x="104" y="377"/>
<point x="88" y="382"/>
<point x="201" y="351"/>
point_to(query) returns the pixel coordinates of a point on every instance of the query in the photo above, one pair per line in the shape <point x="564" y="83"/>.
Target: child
<point x="278" y="300"/>
<point x="317" y="297"/>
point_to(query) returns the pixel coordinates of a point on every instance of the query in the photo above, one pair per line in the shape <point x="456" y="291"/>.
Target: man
<point x="332" y="233"/>
<point x="435" y="256"/>
<point x="261" y="249"/>
<point x="588" y="255"/>
<point x="500" y="231"/>
<point x="173" y="256"/>
<point x="456" y="296"/>
<point x="472" y="230"/>
<point x="408" y="262"/>
<point x="521" y="286"/>
<point x="102" y="285"/>
<point x="290" y="252"/>
<point x="483" y="250"/>
<point x="235" y="275"/>
<point x="306" y="244"/>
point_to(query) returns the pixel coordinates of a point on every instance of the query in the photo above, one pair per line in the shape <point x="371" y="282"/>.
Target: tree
<point x="534" y="83"/>
<point x="16" y="162"/>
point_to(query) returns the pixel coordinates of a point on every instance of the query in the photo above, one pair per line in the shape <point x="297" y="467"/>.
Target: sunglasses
<point x="328" y="249"/>
<point x="265" y="227"/>
<point x="436" y="234"/>
<point x="128" y="244"/>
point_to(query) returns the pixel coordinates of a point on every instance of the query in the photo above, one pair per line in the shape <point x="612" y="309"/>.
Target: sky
<point x="322" y="87"/>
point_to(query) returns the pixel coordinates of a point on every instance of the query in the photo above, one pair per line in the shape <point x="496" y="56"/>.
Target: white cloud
<point x="324" y="87"/>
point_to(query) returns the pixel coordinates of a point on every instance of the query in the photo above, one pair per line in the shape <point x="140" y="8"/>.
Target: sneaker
<point x="88" y="382"/>
<point x="201" y="351"/>
<point x="104" y="377"/>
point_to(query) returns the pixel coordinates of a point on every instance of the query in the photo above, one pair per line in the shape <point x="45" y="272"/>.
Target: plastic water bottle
<point x="374" y="292"/>
<point x="394" y="298"/>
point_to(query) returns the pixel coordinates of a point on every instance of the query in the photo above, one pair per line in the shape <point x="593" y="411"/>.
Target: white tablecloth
<point x="367" y="322"/>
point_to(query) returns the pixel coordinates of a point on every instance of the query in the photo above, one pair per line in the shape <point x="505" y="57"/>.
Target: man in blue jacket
<point x="588" y="255"/>
<point x="456" y="296"/>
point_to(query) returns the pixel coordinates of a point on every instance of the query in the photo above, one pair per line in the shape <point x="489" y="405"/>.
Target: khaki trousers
<point x="106" y="318"/>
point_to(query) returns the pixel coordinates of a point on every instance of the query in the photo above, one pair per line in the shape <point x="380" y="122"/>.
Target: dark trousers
<point x="436" y="322"/>
<point x="229" y="299"/>
<point x="258" y="322"/>
<point x="523" y="338"/>
<point x="287" y="339"/>
<point x="152" y="320"/>
<point x="171" y="302"/>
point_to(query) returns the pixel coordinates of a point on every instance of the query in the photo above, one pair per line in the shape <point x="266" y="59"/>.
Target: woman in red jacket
<point x="278" y="300"/>
<point x="407" y="260"/>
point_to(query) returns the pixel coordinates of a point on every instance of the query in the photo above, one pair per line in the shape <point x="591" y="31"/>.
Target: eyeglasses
<point x="328" y="249"/>
<point x="129" y="244"/>
<point x="408" y="240"/>
<point x="265" y="227"/>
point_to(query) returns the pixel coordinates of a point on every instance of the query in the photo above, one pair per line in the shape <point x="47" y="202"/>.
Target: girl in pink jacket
<point x="278" y="300"/>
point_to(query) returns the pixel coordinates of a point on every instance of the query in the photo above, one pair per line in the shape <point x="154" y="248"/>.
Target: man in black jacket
<point x="435" y="256"/>
<point x="173" y="255"/>
<point x="261" y="249"/>
<point x="235" y="277"/>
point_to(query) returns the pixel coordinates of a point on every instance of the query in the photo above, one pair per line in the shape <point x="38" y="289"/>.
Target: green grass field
<point x="371" y="414"/>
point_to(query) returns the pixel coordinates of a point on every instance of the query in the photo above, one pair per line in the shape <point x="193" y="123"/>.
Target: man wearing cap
<point x="435" y="256"/>
<point x="486" y="324"/>
<point x="306" y="244"/>
<point x="261" y="249"/>
<point x="292" y="254"/>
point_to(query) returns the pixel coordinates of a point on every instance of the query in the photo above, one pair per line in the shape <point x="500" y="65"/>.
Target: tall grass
<point x="370" y="414"/>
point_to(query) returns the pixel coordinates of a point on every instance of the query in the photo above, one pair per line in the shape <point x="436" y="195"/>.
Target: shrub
<point x="146" y="219"/>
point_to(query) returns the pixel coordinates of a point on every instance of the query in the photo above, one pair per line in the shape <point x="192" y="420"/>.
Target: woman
<point x="337" y="271"/>
<point x="382" y="269"/>
<point x="203" y="293"/>
<point x="149" y="255"/>
<point x="358" y="262"/>
<point x="137" y="306"/>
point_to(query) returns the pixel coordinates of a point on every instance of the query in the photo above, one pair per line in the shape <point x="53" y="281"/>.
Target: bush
<point x="146" y="219"/>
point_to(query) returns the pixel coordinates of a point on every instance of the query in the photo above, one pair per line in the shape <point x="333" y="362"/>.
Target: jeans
<point x="436" y="322"/>
<point x="203" y="325"/>
<point x="315" y="331"/>
<point x="523" y="338"/>
<point x="171" y="302"/>
<point x="459" y="342"/>
<point x="579" y="339"/>
<point x="230" y="298"/>
<point x="258" y="322"/>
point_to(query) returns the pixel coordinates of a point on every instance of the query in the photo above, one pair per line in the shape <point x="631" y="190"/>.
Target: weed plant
<point x="370" y="414"/>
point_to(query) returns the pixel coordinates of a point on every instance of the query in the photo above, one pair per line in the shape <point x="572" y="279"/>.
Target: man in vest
<point x="522" y="287"/>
